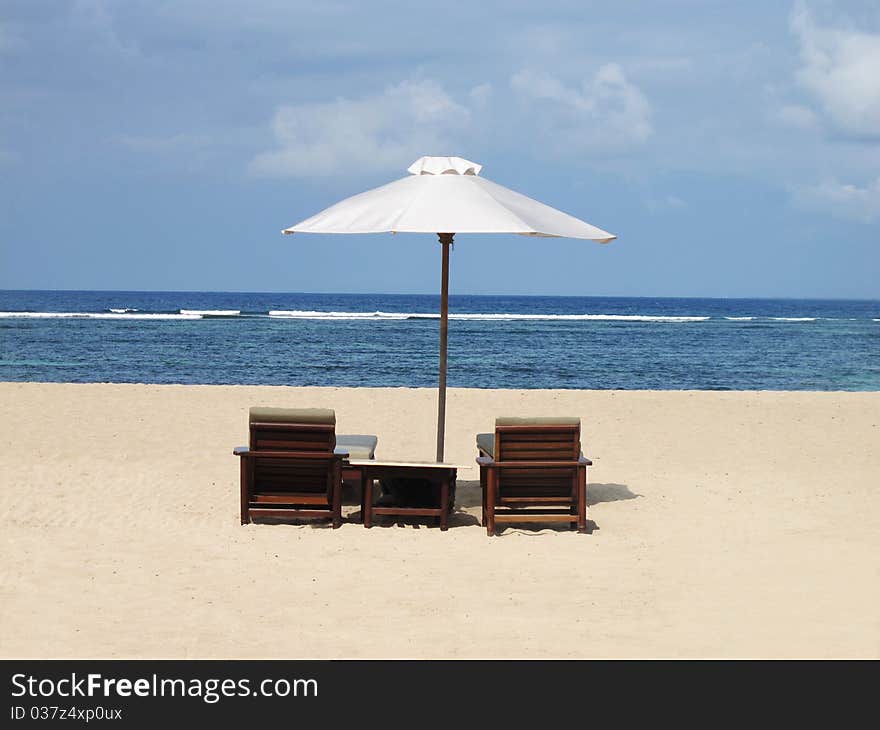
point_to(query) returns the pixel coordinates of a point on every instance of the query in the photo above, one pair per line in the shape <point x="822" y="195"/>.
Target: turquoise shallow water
<point x="392" y="340"/>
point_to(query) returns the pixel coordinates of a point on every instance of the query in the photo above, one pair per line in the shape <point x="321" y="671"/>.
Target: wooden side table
<point x="440" y="474"/>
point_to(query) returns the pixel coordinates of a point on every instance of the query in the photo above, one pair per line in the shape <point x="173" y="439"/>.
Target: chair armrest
<point x="301" y="455"/>
<point x="537" y="464"/>
<point x="489" y="461"/>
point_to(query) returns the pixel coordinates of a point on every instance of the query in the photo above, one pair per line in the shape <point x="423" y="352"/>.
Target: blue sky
<point x="734" y="148"/>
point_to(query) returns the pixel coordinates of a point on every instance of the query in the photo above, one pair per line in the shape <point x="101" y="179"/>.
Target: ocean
<point x="392" y="340"/>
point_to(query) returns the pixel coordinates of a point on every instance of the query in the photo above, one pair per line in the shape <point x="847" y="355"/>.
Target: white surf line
<point x="212" y="312"/>
<point x="93" y="315"/>
<point x="486" y="317"/>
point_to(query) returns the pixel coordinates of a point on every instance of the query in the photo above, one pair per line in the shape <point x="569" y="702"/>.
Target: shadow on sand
<point x="469" y="501"/>
<point x="467" y="509"/>
<point x="598" y="493"/>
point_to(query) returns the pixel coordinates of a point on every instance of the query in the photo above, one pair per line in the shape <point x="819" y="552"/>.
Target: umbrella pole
<point x="445" y="241"/>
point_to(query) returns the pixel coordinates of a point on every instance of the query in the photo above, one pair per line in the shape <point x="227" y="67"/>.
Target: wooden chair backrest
<point x="289" y="474"/>
<point x="537" y="442"/>
<point x="547" y="443"/>
<point x="314" y="437"/>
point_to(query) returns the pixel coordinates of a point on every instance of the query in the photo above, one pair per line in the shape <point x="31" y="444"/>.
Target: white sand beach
<point x="726" y="524"/>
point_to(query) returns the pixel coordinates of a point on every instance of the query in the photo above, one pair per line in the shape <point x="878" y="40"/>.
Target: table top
<point x="414" y="464"/>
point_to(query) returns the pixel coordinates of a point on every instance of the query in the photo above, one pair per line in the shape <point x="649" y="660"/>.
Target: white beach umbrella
<point x="446" y="195"/>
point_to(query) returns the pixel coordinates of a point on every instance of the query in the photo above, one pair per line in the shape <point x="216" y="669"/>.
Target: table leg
<point x="444" y="504"/>
<point x="368" y="498"/>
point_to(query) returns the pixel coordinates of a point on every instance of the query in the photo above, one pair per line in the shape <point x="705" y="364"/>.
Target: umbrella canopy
<point x="446" y="195"/>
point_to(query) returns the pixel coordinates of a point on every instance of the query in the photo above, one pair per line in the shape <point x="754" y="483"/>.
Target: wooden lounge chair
<point x="294" y="464"/>
<point x="532" y="470"/>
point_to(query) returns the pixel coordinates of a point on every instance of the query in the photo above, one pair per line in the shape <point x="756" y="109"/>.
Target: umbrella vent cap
<point x="444" y="166"/>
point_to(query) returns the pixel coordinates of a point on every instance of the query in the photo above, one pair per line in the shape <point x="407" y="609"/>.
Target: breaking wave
<point x="376" y="316"/>
<point x="212" y="312"/>
<point x="95" y="315"/>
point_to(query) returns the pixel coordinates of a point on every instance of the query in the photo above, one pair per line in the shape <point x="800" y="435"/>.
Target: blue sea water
<point x="392" y="340"/>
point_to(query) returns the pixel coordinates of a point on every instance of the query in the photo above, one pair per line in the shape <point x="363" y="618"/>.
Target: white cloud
<point x="94" y="16"/>
<point x="841" y="69"/>
<point x="606" y="112"/>
<point x="387" y="131"/>
<point x="481" y="95"/>
<point x="382" y="132"/>
<point x="796" y="116"/>
<point x="842" y="200"/>
<point x="665" y="203"/>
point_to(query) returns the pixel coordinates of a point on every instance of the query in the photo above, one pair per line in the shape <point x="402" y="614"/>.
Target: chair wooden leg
<point x="582" y="500"/>
<point x="245" y="490"/>
<point x="491" y="486"/>
<point x="483" y="494"/>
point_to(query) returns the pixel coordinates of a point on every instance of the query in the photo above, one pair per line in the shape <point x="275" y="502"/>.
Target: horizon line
<point x="451" y="295"/>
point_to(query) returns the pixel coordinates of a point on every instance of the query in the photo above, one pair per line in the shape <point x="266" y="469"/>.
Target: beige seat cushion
<point x="538" y="421"/>
<point x="357" y="446"/>
<point x="259" y="414"/>
<point x="486" y="443"/>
